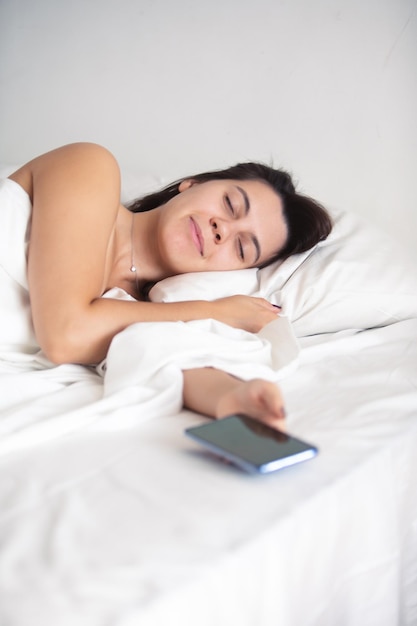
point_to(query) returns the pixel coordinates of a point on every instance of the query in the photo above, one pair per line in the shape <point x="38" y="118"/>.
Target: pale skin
<point x="81" y="246"/>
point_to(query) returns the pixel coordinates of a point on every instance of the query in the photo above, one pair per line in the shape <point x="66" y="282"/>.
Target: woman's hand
<point x="245" y="312"/>
<point x="256" y="398"/>
<point x="218" y="394"/>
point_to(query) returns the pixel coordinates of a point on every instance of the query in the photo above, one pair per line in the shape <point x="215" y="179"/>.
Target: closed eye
<point x="229" y="206"/>
<point x="240" y="250"/>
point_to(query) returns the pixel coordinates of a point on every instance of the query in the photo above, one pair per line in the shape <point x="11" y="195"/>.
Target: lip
<point x="197" y="236"/>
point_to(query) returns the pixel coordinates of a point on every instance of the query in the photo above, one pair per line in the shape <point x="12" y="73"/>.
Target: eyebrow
<point x="245" y="199"/>
<point x="253" y="237"/>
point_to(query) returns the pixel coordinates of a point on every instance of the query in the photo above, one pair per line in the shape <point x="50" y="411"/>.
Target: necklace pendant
<point x="133" y="268"/>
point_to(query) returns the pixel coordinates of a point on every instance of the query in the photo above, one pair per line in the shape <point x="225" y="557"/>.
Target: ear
<point x="186" y="184"/>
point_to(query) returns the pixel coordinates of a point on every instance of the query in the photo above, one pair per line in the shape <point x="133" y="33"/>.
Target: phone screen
<point x="253" y="446"/>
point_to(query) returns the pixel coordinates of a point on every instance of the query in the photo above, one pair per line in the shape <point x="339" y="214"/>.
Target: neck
<point x="143" y="261"/>
<point x="133" y="268"/>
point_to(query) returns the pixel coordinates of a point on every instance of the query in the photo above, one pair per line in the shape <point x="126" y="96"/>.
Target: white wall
<point x="326" y="88"/>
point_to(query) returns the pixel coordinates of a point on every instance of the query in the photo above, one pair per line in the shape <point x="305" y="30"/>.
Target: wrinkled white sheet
<point x="40" y="402"/>
<point x="139" y="526"/>
<point x="143" y="370"/>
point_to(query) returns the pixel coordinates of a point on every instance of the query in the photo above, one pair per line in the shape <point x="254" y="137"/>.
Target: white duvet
<point x="138" y="526"/>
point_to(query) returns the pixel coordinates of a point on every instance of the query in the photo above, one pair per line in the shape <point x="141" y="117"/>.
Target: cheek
<point x="176" y="246"/>
<point x="225" y="258"/>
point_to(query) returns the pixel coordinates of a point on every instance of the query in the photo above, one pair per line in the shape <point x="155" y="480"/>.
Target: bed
<point x="109" y="515"/>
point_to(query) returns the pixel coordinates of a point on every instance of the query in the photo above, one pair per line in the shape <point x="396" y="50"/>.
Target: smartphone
<point x="251" y="445"/>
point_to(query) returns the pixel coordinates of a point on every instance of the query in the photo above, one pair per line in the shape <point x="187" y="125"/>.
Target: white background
<point x="324" y="88"/>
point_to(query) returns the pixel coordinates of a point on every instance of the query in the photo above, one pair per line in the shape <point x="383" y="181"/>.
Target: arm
<point x="75" y="193"/>
<point x="217" y="394"/>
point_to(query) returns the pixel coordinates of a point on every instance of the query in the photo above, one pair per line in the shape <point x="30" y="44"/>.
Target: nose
<point x="220" y="230"/>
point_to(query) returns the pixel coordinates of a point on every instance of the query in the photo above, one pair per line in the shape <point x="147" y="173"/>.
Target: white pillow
<point x="358" y="278"/>
<point x="205" y="286"/>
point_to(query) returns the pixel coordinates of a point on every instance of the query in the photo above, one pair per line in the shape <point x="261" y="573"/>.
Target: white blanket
<point x="139" y="526"/>
<point x="143" y="370"/>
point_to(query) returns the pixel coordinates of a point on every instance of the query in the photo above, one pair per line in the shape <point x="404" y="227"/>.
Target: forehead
<point x="266" y="209"/>
<point x="260" y="195"/>
<point x="265" y="214"/>
<point x="257" y="194"/>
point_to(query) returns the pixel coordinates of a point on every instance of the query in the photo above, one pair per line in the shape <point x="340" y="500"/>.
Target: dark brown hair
<point x="307" y="221"/>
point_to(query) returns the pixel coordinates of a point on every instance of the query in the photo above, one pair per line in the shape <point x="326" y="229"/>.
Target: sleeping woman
<point x="83" y="242"/>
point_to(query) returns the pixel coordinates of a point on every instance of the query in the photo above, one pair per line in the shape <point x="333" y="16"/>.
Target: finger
<point x="279" y="424"/>
<point x="275" y="308"/>
<point x="273" y="402"/>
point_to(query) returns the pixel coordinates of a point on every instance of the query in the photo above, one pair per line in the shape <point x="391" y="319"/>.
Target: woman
<point x="84" y="241"/>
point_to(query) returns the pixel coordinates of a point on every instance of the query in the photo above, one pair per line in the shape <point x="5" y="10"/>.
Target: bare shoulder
<point x="77" y="162"/>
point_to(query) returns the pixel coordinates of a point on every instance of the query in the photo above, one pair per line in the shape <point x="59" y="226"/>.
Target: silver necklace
<point x="132" y="252"/>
